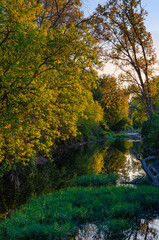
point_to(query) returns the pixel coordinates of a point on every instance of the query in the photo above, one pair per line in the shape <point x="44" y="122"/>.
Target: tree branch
<point x="147" y="170"/>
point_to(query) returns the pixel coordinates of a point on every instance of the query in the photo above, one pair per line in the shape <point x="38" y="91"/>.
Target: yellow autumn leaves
<point x="45" y="91"/>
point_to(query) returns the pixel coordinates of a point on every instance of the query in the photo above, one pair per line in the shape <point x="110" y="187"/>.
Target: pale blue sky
<point x="152" y="21"/>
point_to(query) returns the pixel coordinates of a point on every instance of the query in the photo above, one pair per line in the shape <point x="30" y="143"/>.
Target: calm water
<point x="113" y="156"/>
<point x="147" y="230"/>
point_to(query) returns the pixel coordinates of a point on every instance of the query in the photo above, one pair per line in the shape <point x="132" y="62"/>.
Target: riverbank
<point x="115" y="210"/>
<point x="110" y="135"/>
<point x="114" y="156"/>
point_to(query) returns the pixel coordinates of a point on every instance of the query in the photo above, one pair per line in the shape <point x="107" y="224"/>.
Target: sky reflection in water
<point x="146" y="230"/>
<point x="113" y="156"/>
<point x="100" y="157"/>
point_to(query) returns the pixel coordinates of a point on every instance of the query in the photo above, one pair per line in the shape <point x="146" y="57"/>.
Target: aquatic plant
<point x="59" y="215"/>
<point x="95" y="180"/>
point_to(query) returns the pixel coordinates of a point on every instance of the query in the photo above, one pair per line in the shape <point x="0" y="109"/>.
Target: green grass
<point x="118" y="135"/>
<point x="142" y="181"/>
<point x="59" y="215"/>
<point x="95" y="180"/>
<point x="111" y="134"/>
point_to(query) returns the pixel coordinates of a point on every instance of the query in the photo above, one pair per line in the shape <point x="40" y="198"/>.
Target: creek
<point x="113" y="156"/>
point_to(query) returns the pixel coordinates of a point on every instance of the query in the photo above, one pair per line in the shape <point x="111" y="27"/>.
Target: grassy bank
<point x="114" y="209"/>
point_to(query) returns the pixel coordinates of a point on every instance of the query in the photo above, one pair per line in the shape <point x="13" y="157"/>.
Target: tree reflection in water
<point x="118" y="158"/>
<point x="113" y="156"/>
<point x="147" y="230"/>
<point x="89" y="232"/>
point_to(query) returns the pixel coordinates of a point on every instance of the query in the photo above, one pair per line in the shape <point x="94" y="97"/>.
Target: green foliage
<point x="122" y="135"/>
<point x="137" y="112"/>
<point x="142" y="181"/>
<point x="137" y="107"/>
<point x="94" y="158"/>
<point x="120" y="24"/>
<point x="89" y="124"/>
<point x="116" y="227"/>
<point x="46" y="76"/>
<point x="153" y="136"/>
<point x="61" y="214"/>
<point x="110" y="134"/>
<point x="150" y="131"/>
<point x="150" y="128"/>
<point x="146" y="128"/>
<point x="95" y="180"/>
<point x="114" y="101"/>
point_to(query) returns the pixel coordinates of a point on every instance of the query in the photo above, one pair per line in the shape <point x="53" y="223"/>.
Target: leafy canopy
<point x="46" y="76"/>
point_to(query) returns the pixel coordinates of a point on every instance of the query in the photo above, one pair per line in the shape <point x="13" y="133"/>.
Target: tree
<point x="137" y="112"/>
<point x="137" y="108"/>
<point x="59" y="12"/>
<point x="46" y="75"/>
<point x="155" y="98"/>
<point x="120" y="24"/>
<point x="114" y="101"/>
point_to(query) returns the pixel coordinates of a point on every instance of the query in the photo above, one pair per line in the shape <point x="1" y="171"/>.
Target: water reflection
<point x="100" y="157"/>
<point x="119" y="159"/>
<point x="148" y="230"/>
<point x="131" y="169"/>
<point x="143" y="230"/>
<point x="90" y="232"/>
